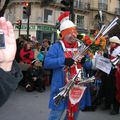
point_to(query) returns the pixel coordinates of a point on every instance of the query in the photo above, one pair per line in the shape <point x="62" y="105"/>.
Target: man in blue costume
<point x="60" y="59"/>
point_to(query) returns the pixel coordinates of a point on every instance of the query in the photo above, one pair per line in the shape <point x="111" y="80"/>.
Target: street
<point x="34" y="106"/>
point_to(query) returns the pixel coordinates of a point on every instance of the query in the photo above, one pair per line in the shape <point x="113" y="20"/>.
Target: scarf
<point x="69" y="73"/>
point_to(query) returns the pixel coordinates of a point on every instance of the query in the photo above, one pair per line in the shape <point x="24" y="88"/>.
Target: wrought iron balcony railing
<point x="81" y="5"/>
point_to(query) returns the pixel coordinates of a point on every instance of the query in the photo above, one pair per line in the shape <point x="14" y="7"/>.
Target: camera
<point x="2" y="40"/>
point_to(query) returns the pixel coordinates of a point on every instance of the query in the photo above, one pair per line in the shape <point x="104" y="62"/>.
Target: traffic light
<point x="66" y="4"/>
<point x="18" y="24"/>
<point x="26" y="8"/>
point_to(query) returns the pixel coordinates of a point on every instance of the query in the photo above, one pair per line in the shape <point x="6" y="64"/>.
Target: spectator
<point x="10" y="73"/>
<point x="34" y="77"/>
<point x="44" y="50"/>
<point x="26" y="54"/>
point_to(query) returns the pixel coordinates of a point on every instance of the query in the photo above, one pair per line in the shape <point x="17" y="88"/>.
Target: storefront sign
<point x="45" y="28"/>
<point x="38" y="27"/>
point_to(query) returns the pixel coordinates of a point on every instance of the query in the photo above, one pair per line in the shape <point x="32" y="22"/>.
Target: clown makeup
<point x="74" y="32"/>
<point x="72" y="36"/>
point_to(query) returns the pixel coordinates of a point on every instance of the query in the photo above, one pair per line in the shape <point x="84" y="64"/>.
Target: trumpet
<point x="65" y="90"/>
<point x="110" y="26"/>
<point x="116" y="60"/>
<point x="103" y="31"/>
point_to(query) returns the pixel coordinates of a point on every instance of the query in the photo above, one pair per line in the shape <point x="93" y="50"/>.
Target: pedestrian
<point x="10" y="73"/>
<point x="59" y="58"/>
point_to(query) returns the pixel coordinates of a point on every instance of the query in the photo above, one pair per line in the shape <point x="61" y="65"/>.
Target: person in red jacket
<point x="27" y="54"/>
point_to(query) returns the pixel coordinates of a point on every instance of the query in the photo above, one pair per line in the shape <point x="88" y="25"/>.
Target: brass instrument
<point x="103" y="31"/>
<point x="81" y="52"/>
<point x="116" y="60"/>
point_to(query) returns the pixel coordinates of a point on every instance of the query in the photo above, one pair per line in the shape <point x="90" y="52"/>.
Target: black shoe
<point x="106" y="108"/>
<point x="113" y="112"/>
<point x="40" y="90"/>
<point x="90" y="108"/>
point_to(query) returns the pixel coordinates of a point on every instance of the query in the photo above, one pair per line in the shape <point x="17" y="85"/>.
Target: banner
<point x="103" y="64"/>
<point x="76" y="93"/>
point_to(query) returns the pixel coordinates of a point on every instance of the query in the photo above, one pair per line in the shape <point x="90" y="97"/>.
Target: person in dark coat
<point x="34" y="77"/>
<point x="10" y="73"/>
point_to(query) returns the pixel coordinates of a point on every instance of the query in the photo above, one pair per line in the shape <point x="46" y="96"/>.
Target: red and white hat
<point x="65" y="23"/>
<point x="64" y="16"/>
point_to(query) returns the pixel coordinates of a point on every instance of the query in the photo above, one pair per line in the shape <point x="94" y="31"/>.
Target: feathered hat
<point x="66" y="25"/>
<point x="64" y="21"/>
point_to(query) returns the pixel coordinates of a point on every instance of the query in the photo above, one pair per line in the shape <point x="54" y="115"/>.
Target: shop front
<point x="40" y="32"/>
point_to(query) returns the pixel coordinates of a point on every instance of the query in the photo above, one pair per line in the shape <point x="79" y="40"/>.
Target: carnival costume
<point x="114" y="81"/>
<point x="56" y="60"/>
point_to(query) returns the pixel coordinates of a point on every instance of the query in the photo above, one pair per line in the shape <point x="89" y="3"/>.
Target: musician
<point x="59" y="59"/>
<point x="114" y="77"/>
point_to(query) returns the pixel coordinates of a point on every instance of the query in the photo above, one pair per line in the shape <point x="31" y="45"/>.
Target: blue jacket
<point x="55" y="60"/>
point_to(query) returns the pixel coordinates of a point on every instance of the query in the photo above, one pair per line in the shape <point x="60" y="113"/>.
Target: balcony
<point x="11" y="1"/>
<point x="81" y="5"/>
<point x="117" y="11"/>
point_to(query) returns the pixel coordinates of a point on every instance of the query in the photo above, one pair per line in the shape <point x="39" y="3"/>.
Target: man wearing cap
<point x="114" y="77"/>
<point x="60" y="59"/>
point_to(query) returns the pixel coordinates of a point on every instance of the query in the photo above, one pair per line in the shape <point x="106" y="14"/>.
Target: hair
<point x="46" y="40"/>
<point x="37" y="46"/>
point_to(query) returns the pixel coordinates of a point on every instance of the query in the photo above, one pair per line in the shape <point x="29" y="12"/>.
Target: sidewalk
<point x="34" y="106"/>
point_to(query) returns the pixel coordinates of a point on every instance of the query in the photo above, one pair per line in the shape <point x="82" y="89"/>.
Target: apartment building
<point x="43" y="19"/>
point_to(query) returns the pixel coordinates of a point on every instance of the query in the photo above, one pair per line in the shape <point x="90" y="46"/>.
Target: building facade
<point x="43" y="19"/>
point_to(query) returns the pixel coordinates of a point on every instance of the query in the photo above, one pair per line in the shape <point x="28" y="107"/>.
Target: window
<point x="119" y="3"/>
<point x="103" y="1"/>
<point x="47" y="16"/>
<point x="103" y="4"/>
<point x="80" y="21"/>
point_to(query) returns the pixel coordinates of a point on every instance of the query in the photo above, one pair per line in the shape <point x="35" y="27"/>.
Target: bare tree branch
<point x="2" y="11"/>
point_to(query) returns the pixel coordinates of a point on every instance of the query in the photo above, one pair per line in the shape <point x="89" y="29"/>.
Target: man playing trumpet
<point x="60" y="58"/>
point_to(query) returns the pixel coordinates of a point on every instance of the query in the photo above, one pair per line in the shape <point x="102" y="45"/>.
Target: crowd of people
<point x="30" y="56"/>
<point x="44" y="64"/>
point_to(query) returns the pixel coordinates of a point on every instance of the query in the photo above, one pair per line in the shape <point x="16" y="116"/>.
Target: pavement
<point x="23" y="105"/>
